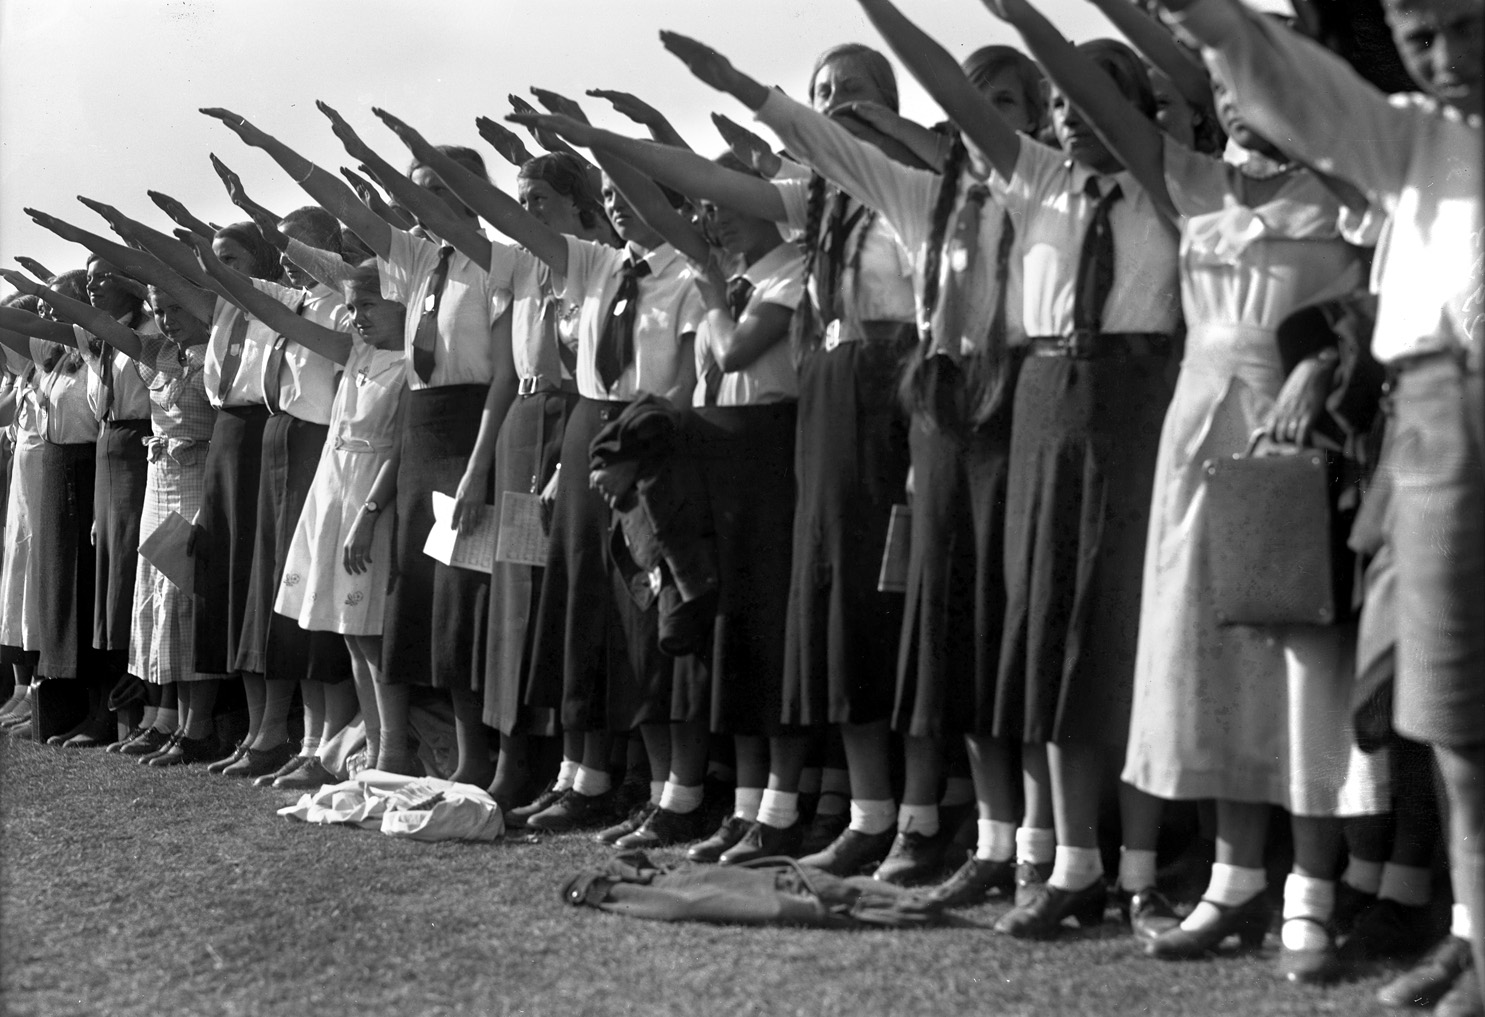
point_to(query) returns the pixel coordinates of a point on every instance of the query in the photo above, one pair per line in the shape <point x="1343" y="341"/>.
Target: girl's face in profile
<point x="1007" y="94"/>
<point x="378" y="320"/>
<point x="552" y="209"/>
<point x="232" y="254"/>
<point x="1172" y="112"/>
<point x="434" y="185"/>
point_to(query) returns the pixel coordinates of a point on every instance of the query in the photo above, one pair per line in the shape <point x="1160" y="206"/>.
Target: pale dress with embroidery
<point x="317" y="590"/>
<point x="1239" y="713"/>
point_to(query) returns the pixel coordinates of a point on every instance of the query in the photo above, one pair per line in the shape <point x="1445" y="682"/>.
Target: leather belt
<point x="537" y="384"/>
<point x="1100" y="345"/>
<point x="838" y="332"/>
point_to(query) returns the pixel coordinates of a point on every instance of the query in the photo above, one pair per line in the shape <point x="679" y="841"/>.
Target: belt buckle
<point x="527" y="386"/>
<point x="1078" y="345"/>
<point x="832" y="335"/>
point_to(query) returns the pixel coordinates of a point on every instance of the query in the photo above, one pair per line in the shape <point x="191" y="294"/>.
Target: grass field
<point x="131" y="891"/>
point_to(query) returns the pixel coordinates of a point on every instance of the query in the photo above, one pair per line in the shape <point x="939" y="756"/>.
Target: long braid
<point x="804" y="333"/>
<point x="928" y="383"/>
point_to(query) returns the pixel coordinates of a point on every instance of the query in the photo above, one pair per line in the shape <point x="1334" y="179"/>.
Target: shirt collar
<point x="770" y="264"/>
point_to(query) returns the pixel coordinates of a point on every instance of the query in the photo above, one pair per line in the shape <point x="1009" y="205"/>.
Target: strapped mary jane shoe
<point x="1248" y="921"/>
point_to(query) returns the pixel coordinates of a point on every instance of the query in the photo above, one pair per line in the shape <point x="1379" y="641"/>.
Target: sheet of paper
<point x="523" y="541"/>
<point x="473" y="550"/>
<point x="165" y="549"/>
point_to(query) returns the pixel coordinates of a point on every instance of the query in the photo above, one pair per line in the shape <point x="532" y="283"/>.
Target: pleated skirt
<point x="160" y="644"/>
<point x="118" y="501"/>
<point x="62" y="561"/>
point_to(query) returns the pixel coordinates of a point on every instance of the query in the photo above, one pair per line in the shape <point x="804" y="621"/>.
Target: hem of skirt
<point x="1211" y="786"/>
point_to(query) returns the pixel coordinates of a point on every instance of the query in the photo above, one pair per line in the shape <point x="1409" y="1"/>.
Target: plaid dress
<point x="160" y="643"/>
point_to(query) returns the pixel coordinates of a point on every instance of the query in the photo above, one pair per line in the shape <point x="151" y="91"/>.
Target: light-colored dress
<point x="1239" y="713"/>
<point x="18" y="610"/>
<point x="160" y="643"/>
<point x="317" y="590"/>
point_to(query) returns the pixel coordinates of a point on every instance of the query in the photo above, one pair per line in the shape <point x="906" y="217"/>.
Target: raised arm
<point x="545" y="139"/>
<point x="181" y="215"/>
<point x="137" y="264"/>
<point x="399" y="217"/>
<point x="644" y="114"/>
<point x="1157" y="45"/>
<point x="163" y="246"/>
<point x="748" y="147"/>
<point x="327" y="189"/>
<point x="36" y="268"/>
<point x="1131" y="136"/>
<point x="34" y="325"/>
<point x="485" y="199"/>
<point x="937" y="71"/>
<point x="327" y="342"/>
<point x="99" y="323"/>
<point x="501" y="138"/>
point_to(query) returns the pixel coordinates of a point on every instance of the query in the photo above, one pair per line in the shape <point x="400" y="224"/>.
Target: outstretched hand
<point x="504" y="141"/>
<point x="629" y="105"/>
<point x="344" y="131"/>
<point x="23" y="283"/>
<point x="1008" y="10"/>
<point x="372" y="199"/>
<point x="35" y="267"/>
<point x="406" y="134"/>
<point x="238" y="125"/>
<point x="703" y="61"/>
<point x="748" y="147"/>
<point x="265" y="220"/>
<point x="65" y="230"/>
<point x="116" y="220"/>
<point x="559" y="104"/>
<point x="575" y="131"/>
<point x="176" y="210"/>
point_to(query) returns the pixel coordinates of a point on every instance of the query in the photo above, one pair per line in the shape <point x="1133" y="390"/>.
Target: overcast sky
<point x="99" y="97"/>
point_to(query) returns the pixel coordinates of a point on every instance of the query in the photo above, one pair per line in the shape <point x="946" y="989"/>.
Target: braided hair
<point x="804" y="332"/>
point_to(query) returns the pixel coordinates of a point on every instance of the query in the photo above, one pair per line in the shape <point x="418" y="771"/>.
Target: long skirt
<point x="433" y="632"/>
<point x="747" y="457"/>
<point x="273" y="645"/>
<point x="1083" y="441"/>
<point x="526" y="455"/>
<point x="597" y="653"/>
<point x="224" y="541"/>
<point x="948" y="666"/>
<point x="20" y="621"/>
<point x="851" y="464"/>
<point x="1233" y="712"/>
<point x="62" y="563"/>
<point x="160" y="643"/>
<point x="118" y="499"/>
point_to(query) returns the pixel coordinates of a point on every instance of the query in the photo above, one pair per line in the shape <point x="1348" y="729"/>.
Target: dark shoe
<point x="1462" y="1001"/>
<point x="134" y="732"/>
<point x="1030" y="878"/>
<point x="823" y="830"/>
<point x="152" y="741"/>
<point x="764" y="841"/>
<point x="1350" y="905"/>
<point x="1426" y="982"/>
<point x="1042" y="918"/>
<point x="290" y="765"/>
<point x="574" y="811"/>
<point x="258" y="762"/>
<point x="733" y="829"/>
<point x="311" y="775"/>
<point x="515" y="819"/>
<point x="915" y="859"/>
<point x="187" y="751"/>
<point x="662" y="829"/>
<point x="630" y="823"/>
<point x="973" y="882"/>
<point x="1388" y="930"/>
<point x="1148" y="913"/>
<point x="165" y="749"/>
<point x="1310" y="967"/>
<point x="238" y="751"/>
<point x="1248" y="920"/>
<point x="851" y="852"/>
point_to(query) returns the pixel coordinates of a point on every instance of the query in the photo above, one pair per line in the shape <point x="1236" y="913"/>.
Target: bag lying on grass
<point x="417" y="808"/>
<point x="769" y="891"/>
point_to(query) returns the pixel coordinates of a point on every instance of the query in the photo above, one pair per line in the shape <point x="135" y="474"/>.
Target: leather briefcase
<point x="1270" y="539"/>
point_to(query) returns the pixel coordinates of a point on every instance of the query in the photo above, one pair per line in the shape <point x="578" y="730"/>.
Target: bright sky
<point x="99" y="97"/>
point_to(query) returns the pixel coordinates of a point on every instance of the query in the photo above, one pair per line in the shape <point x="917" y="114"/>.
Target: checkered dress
<point x="160" y="648"/>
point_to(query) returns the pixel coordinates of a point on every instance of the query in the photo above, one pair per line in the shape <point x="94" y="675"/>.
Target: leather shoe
<point x="1248" y="920"/>
<point x="134" y="732"/>
<point x="973" y="882"/>
<point x="851" y="852"/>
<point x="310" y="775"/>
<point x="238" y="751"/>
<point x="914" y="859"/>
<point x="626" y="826"/>
<point x="1314" y="966"/>
<point x="1387" y="930"/>
<point x="1042" y="918"/>
<point x="733" y="829"/>
<point x="187" y="751"/>
<point x="764" y="841"/>
<point x="1426" y="982"/>
<point x="823" y="830"/>
<point x="169" y="746"/>
<point x="515" y="819"/>
<point x="290" y="765"/>
<point x="258" y="762"/>
<point x="663" y="828"/>
<point x="1350" y="905"/>
<point x="1030" y="877"/>
<point x="1462" y="1001"/>
<point x="574" y="811"/>
<point x="152" y="741"/>
<point x="1148" y="912"/>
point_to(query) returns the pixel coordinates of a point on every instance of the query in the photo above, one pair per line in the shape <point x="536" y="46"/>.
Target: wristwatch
<point x="370" y="507"/>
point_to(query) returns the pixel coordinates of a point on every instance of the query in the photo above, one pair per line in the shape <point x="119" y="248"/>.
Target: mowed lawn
<point x="133" y="891"/>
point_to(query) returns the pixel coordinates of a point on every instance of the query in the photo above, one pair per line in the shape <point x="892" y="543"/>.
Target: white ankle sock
<point x="1306" y="897"/>
<point x="167" y="720"/>
<point x="996" y="842"/>
<point x="1035" y="845"/>
<point x="779" y="809"/>
<point x="1136" y="869"/>
<point x="592" y="782"/>
<point x="921" y="819"/>
<point x="147" y="721"/>
<point x="958" y="791"/>
<point x="1076" y="868"/>
<point x="1230" y="885"/>
<point x="680" y="798"/>
<point x="745" y="802"/>
<point x="1459" y="922"/>
<point x="566" y="774"/>
<point x="1406" y="884"/>
<point x="657" y="791"/>
<point x="1363" y="875"/>
<point x="308" y="745"/>
<point x="873" y="815"/>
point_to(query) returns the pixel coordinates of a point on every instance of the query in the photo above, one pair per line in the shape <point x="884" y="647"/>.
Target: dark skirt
<point x="949" y="661"/>
<point x="526" y="454"/>
<point x="747" y="457"/>
<point x="851" y="463"/>
<point x="274" y="645"/>
<point x="437" y="615"/>
<point x="1083" y="444"/>
<point x="597" y="652"/>
<point x="227" y="526"/>
<point x="63" y="566"/>
<point x="118" y="504"/>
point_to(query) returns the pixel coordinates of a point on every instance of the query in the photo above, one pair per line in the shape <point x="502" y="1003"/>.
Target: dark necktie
<point x="273" y="369"/>
<point x="104" y="355"/>
<point x="832" y="255"/>
<point x="998" y="337"/>
<point x="1095" y="262"/>
<point x="739" y="292"/>
<point x="616" y="343"/>
<point x="425" y="339"/>
<point x="959" y="257"/>
<point x="232" y="359"/>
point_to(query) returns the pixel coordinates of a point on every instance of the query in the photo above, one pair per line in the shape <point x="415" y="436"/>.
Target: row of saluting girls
<point x="1073" y="329"/>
